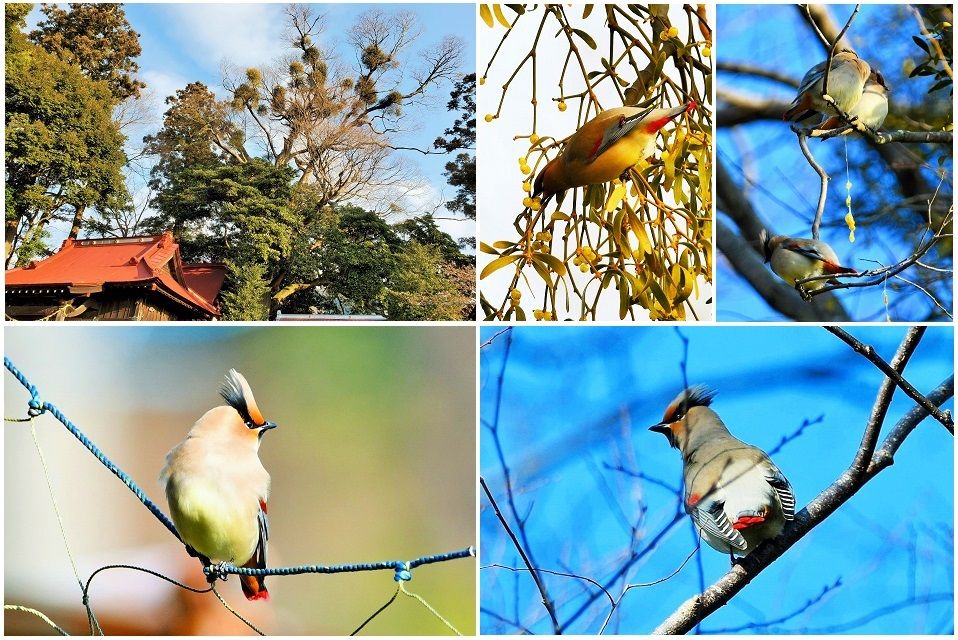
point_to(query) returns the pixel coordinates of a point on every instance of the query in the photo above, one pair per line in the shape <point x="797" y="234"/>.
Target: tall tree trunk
<point x="77" y="221"/>
<point x="11" y="237"/>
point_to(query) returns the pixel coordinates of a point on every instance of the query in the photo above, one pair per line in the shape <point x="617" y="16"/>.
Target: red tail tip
<point x="747" y="521"/>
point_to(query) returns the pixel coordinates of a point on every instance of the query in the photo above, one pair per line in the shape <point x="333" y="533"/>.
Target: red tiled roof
<point x="148" y="260"/>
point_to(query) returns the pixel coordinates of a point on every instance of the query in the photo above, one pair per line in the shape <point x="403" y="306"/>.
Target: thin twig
<point x="546" y="601"/>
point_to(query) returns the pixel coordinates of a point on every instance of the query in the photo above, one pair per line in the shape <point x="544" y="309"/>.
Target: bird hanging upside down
<point x="604" y="148"/>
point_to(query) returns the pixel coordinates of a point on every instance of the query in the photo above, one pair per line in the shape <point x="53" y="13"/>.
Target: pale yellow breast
<point x="214" y="520"/>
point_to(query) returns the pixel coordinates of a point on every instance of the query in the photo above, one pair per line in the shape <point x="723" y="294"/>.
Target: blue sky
<point x="184" y="42"/>
<point x="787" y="188"/>
<point x="578" y="399"/>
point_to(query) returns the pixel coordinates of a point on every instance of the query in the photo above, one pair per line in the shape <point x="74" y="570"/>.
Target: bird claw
<point x="216" y="571"/>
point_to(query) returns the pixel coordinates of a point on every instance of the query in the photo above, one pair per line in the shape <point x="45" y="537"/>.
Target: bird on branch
<point x="604" y="149"/>
<point x="795" y="259"/>
<point x="734" y="493"/>
<point x="846" y="82"/>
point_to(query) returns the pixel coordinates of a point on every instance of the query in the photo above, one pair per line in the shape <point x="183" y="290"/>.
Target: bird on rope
<point x="217" y="487"/>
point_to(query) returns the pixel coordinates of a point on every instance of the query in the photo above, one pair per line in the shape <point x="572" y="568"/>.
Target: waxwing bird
<point x="846" y="81"/>
<point x="795" y="259"/>
<point x="217" y="486"/>
<point x="871" y="109"/>
<point x="604" y="148"/>
<point x="734" y="493"/>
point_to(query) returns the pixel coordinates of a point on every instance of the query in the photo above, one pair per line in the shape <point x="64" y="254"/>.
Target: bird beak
<point x="267" y="426"/>
<point x="665" y="430"/>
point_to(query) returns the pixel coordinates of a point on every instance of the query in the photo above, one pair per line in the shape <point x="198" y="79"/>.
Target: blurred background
<point x="576" y="404"/>
<point x="374" y="460"/>
<point x="763" y="180"/>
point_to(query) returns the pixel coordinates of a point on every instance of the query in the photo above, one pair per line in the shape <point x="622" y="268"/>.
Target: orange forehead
<point x="671" y="410"/>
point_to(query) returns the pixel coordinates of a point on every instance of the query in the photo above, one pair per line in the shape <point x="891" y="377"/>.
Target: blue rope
<point x="38" y="406"/>
<point x="403" y="569"/>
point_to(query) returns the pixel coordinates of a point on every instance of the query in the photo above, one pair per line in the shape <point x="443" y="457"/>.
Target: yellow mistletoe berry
<point x="482" y="81"/>
<point x="673" y="32"/>
<point x="547" y="315"/>
<point x="533" y="138"/>
<point x="536" y="204"/>
<point x="527" y="186"/>
<point x="537" y="314"/>
<point x="583" y="267"/>
<point x="850" y="221"/>
<point x="707" y="52"/>
<point x="527" y="202"/>
<point x="524" y="168"/>
<point x="562" y="105"/>
<point x="515" y="294"/>
<point x="490" y="117"/>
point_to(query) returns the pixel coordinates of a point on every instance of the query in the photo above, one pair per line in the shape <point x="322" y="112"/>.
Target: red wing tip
<point x="692" y="106"/>
<point x="259" y="595"/>
<point x="747" y="521"/>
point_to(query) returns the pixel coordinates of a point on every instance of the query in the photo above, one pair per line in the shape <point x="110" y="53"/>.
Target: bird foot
<point x="215" y="571"/>
<point x="802" y="291"/>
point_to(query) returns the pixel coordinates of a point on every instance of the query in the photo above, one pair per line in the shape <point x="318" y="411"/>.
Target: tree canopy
<point x="63" y="150"/>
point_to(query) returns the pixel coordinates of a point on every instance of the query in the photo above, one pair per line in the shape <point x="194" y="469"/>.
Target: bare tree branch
<point x="747" y="69"/>
<point x="893" y="373"/>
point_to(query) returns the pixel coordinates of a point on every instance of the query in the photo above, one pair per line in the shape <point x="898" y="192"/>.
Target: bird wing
<point x="618" y="129"/>
<point x="260" y="553"/>
<point x="806" y="249"/>
<point x="811" y="76"/>
<point x="777" y="480"/>
<point x="709" y="514"/>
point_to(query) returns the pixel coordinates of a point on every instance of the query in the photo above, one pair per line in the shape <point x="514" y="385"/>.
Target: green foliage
<point x="424" y="287"/>
<point x="235" y="211"/>
<point x="425" y="231"/>
<point x="196" y="130"/>
<point x="461" y="172"/>
<point x="246" y="296"/>
<point x="63" y="150"/>
<point x="936" y="48"/>
<point x="97" y="38"/>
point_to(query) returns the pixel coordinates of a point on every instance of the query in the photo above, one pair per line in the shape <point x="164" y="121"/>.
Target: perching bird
<point x="217" y="486"/>
<point x="846" y="81"/>
<point x="795" y="259"/>
<point x="735" y="494"/>
<point x="604" y="148"/>
<point x="870" y="110"/>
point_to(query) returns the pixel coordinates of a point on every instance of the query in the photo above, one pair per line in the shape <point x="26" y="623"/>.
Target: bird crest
<point x="238" y="394"/>
<point x="698" y="396"/>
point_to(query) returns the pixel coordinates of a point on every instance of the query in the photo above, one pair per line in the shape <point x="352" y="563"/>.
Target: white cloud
<point x="244" y="34"/>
